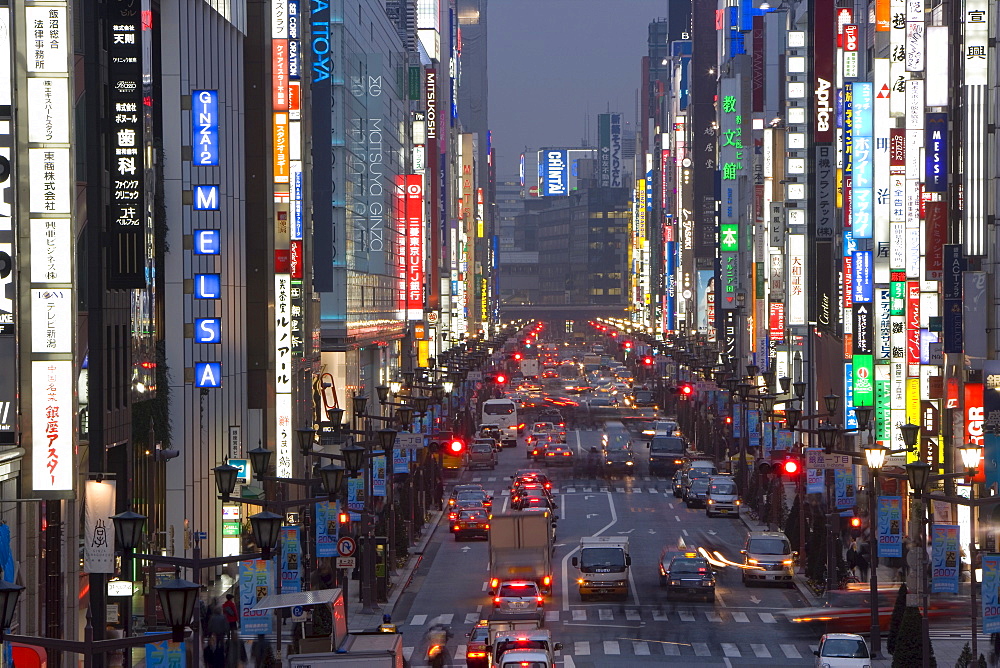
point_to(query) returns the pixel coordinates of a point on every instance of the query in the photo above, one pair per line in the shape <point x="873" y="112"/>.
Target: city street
<point x="743" y="627"/>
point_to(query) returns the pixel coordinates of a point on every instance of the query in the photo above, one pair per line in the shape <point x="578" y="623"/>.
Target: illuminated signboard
<point x="207" y="242"/>
<point x="554" y="168"/>
<point x="205" y="127"/>
<point x="936" y="153"/>
<point x="412" y="196"/>
<point x="126" y="145"/>
<point x="208" y="330"/>
<point x="208" y="374"/>
<point x="207" y="286"/>
<point x="206" y="198"/>
<point x="796" y="279"/>
<point x="51" y="297"/>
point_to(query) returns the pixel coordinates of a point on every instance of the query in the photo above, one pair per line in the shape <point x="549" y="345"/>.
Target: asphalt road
<point x="744" y="627"/>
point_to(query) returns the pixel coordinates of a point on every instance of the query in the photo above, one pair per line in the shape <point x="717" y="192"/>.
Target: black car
<point x="666" y="454"/>
<point x="697" y="493"/>
<point x="619" y="461"/>
<point x="687" y="574"/>
<point x="643" y="398"/>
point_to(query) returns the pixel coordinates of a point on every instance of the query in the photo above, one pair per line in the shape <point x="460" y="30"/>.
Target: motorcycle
<point x="437" y="644"/>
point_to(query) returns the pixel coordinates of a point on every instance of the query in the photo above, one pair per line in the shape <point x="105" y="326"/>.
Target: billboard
<point x="553" y="172"/>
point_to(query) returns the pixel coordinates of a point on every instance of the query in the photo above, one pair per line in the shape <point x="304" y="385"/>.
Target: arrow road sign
<point x="346" y="546"/>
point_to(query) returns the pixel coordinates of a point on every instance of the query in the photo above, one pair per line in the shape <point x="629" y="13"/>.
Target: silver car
<point x="519" y="597"/>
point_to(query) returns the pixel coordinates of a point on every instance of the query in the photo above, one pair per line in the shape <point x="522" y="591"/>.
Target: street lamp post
<point x="918" y="474"/>
<point x="875" y="457"/>
<point x="971" y="455"/>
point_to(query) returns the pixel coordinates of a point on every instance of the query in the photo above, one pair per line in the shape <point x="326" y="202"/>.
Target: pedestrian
<point x="865" y="561"/>
<point x="852" y="557"/>
<point x="439" y="493"/>
<point x="217" y="625"/>
<point x="204" y="613"/>
<point x="214" y="653"/>
<point x="232" y="615"/>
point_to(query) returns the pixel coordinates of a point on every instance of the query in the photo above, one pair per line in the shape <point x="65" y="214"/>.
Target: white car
<point x="842" y="650"/>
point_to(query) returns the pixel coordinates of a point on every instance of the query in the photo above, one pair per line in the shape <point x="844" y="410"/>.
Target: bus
<point x="502" y="412"/>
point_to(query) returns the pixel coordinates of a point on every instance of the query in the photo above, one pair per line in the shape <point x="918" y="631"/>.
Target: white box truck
<point x="603" y="562"/>
<point x="521" y="549"/>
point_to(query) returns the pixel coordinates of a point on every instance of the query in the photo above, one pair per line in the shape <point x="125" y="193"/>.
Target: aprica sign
<point x="824" y="108"/>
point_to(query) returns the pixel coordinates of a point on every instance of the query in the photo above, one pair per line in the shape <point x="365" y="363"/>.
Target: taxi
<point x="471" y="522"/>
<point x="476" y="648"/>
<point x="687" y="574"/>
<point x="531" y="475"/>
<point x="458" y="489"/>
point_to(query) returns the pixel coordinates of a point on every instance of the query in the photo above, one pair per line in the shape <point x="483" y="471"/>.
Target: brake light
<point x="539" y="599"/>
<point x="518" y="586"/>
<point x="487" y="526"/>
<point x="475" y="655"/>
<point x="496" y="601"/>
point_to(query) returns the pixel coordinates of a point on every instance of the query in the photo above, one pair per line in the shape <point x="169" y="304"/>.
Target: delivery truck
<point x="604" y="563"/>
<point x="521" y="549"/>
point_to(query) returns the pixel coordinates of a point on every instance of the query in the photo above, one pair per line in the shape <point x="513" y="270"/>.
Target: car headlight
<point x="711" y="502"/>
<point x="675" y="583"/>
<point x="737" y="502"/>
<point x="628" y="463"/>
<point x="752" y="561"/>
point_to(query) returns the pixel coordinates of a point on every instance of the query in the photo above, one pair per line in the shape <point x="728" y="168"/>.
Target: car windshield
<point x="471" y="496"/>
<point x="618" y="442"/>
<point x="667" y="444"/>
<point x="769" y="546"/>
<point x="699" y="485"/>
<point x="504" y="645"/>
<point x="472" y="515"/>
<point x="483" y="447"/>
<point x="480" y="634"/>
<point x="499" y="409"/>
<point x="844" y="648"/>
<point x="724" y="488"/>
<point x="688" y="565"/>
<point x="612" y="558"/>
<point x="518" y="590"/>
<point x="524" y="664"/>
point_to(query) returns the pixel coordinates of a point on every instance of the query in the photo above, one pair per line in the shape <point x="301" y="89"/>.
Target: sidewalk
<point x="946" y="649"/>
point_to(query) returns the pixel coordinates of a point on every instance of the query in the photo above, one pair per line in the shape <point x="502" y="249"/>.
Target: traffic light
<point x="627" y="345"/>
<point x="518" y="356"/>
<point x="647" y="361"/>
<point x="500" y="379"/>
<point x="791" y="467"/>
<point x="855" y="523"/>
<point x="456" y="446"/>
<point x="344" y="518"/>
<point x="685" y="390"/>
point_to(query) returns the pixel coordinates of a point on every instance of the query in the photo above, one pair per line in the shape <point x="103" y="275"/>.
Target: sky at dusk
<point x="550" y="61"/>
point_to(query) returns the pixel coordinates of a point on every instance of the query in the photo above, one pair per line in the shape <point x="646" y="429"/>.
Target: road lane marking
<point x="408" y="652"/>
<point x="731" y="650"/>
<point x="471" y="617"/>
<point x="701" y="649"/>
<point x="581" y="648"/>
<point x="579" y="615"/>
<point x="686" y="616"/>
<point x="637" y="490"/>
<point x="713" y="616"/>
<point x="632" y="615"/>
<point x="740" y="617"/>
<point x="445" y="619"/>
<point x="684" y="531"/>
<point x="612" y="647"/>
<point x="767" y="618"/>
<point x="568" y="662"/>
<point x="640" y="647"/>
<point x="790" y="652"/>
<point x="671" y="649"/>
<point x="562" y="507"/>
<point x="569" y="555"/>
<point x="677" y="517"/>
<point x="461" y="650"/>
<point x="418" y="620"/>
<point x="660" y="616"/>
<point x="570" y="490"/>
<point x="552" y="615"/>
<point x="605" y="614"/>
<point x="477" y="479"/>
<point x="760" y="651"/>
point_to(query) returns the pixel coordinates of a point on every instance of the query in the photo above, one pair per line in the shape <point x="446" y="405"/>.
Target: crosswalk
<point x="591" y="614"/>
<point x="632" y="647"/>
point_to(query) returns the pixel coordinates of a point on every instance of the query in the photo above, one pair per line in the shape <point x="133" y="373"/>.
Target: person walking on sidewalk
<point x="232" y="615"/>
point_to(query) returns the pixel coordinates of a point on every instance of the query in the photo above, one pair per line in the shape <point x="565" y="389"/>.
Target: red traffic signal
<point x="855" y="522"/>
<point x="344" y="518"/>
<point x="518" y="357"/>
<point x="685" y="390"/>
<point x="456" y="446"/>
<point x="647" y="360"/>
<point x="791" y="467"/>
<point x="500" y="379"/>
<point x="628" y="345"/>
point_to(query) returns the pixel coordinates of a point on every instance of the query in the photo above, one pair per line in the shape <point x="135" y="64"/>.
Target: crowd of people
<point x="223" y="648"/>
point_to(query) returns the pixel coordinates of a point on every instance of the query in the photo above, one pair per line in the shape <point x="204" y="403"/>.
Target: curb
<point x="798" y="580"/>
<point x="413" y="563"/>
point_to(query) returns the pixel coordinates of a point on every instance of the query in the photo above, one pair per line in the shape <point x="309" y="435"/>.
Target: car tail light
<point x="487" y="526"/>
<point x="494" y="583"/>
<point x="540" y="600"/>
<point x="475" y="655"/>
<point x="496" y="601"/>
<point x="567" y="454"/>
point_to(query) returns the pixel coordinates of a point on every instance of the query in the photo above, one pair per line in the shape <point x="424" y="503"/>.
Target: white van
<point x="502" y="412"/>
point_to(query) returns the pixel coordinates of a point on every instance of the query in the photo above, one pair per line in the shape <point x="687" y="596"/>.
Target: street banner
<point x="291" y="560"/>
<point x="400" y="461"/>
<point x="737" y="421"/>
<point x="256" y="578"/>
<point x="356" y="496"/>
<point x="944" y="559"/>
<point x="845" y="488"/>
<point x="784" y="440"/>
<point x="890" y="526"/>
<point x="768" y="439"/>
<point x="991" y="593"/>
<point x="99" y="530"/>
<point x="165" y="654"/>
<point x="753" y="427"/>
<point x="378" y="475"/>
<point x="326" y="529"/>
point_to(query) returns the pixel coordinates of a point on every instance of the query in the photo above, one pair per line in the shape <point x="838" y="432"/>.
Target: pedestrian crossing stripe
<point x="625" y="646"/>
<point x="579" y="614"/>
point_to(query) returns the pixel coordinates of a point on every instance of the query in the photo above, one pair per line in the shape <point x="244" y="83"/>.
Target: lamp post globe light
<point x="177" y="598"/>
<point x="9" y="595"/>
<point x="260" y="461"/>
<point x="918" y="475"/>
<point x="266" y="528"/>
<point x="128" y="529"/>
<point x="225" y="480"/>
<point x="971" y="457"/>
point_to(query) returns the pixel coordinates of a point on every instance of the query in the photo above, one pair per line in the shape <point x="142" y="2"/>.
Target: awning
<point x="303" y="598"/>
